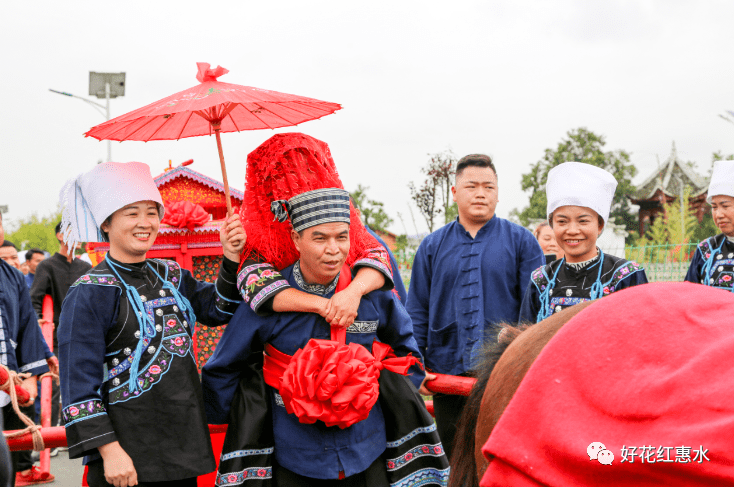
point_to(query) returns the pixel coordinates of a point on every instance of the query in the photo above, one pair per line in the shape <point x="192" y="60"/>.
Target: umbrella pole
<point x="217" y="128"/>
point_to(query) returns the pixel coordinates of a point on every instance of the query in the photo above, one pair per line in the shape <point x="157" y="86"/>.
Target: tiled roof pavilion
<point x="664" y="185"/>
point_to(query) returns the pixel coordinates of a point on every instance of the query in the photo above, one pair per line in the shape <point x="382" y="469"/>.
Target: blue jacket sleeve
<point x="529" y="258"/>
<point x="419" y="295"/>
<point x="530" y="304"/>
<point x="213" y="304"/>
<point x="398" y="333"/>
<point x="246" y="333"/>
<point x="87" y="314"/>
<point x="694" y="270"/>
<point x="32" y="348"/>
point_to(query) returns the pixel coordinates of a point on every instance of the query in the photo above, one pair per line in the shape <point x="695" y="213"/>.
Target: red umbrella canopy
<point x="211" y="105"/>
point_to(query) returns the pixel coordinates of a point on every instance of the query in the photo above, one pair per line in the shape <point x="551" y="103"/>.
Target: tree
<point x="580" y="145"/>
<point x="36" y="232"/>
<point x="373" y="212"/>
<point x="434" y="196"/>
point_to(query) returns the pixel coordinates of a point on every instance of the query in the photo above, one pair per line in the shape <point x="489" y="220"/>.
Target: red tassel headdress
<point x="282" y="167"/>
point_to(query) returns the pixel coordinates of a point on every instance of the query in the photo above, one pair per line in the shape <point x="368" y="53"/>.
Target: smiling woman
<point x="713" y="262"/>
<point x="579" y="200"/>
<point x="133" y="317"/>
<point x="132" y="230"/>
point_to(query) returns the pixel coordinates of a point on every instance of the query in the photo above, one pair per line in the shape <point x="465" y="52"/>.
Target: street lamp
<point x="102" y="85"/>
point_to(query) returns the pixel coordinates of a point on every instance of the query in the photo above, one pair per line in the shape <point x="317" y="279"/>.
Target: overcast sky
<point x="507" y="78"/>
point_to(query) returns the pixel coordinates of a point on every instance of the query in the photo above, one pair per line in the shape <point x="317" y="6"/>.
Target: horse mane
<point x="498" y="375"/>
<point x="463" y="466"/>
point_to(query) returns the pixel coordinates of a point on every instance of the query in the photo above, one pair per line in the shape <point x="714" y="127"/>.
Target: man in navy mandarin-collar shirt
<point x="468" y="277"/>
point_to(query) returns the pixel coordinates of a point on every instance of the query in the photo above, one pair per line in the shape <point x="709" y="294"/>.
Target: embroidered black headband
<point x="328" y="205"/>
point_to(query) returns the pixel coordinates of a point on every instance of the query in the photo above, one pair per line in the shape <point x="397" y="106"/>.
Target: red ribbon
<point x="185" y="214"/>
<point x="331" y="382"/>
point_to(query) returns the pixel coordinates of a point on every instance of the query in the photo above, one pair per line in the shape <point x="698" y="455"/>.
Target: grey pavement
<point x="68" y="473"/>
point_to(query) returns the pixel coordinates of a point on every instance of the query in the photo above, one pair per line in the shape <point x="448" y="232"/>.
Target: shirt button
<point x="159" y="312"/>
<point x="143" y="298"/>
<point x="162" y="293"/>
<point x="569" y="292"/>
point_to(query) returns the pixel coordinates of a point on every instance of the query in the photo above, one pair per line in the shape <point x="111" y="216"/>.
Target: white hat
<point x="722" y="180"/>
<point x="578" y="184"/>
<point x="91" y="197"/>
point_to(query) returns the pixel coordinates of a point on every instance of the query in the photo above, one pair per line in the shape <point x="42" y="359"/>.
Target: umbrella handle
<point x="217" y="128"/>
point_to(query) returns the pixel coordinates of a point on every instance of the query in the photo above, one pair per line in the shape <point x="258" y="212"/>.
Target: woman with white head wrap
<point x="129" y="382"/>
<point x="713" y="262"/>
<point x="579" y="201"/>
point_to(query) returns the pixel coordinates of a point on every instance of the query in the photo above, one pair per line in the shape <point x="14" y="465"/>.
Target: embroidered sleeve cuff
<point x="87" y="427"/>
<point x="380" y="266"/>
<point x="258" y="284"/>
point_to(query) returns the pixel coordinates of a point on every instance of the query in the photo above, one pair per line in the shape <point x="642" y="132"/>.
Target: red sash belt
<point x="329" y="381"/>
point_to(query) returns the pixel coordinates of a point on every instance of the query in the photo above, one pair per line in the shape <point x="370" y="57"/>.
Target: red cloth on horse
<point x="650" y="366"/>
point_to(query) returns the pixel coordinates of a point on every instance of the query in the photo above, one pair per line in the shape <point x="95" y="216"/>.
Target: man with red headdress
<point x="284" y="166"/>
<point x="333" y="411"/>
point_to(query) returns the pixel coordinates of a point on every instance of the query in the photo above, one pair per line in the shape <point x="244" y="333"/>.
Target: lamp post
<point x="102" y="85"/>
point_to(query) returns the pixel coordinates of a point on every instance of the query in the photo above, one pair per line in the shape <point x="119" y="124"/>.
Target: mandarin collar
<point x="312" y="288"/>
<point x="482" y="231"/>
<point x="134" y="269"/>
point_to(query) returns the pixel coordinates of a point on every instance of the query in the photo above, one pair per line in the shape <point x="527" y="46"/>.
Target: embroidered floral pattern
<point x="566" y="301"/>
<point x="622" y="273"/>
<point x="413" y="453"/>
<point x="82" y="410"/>
<point x="538" y="277"/>
<point x="237" y="478"/>
<point x="105" y="280"/>
<point x="175" y="342"/>
<point x="266" y="292"/>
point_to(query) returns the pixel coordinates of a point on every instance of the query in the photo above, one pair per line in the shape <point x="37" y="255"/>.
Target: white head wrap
<point x="722" y="180"/>
<point x="578" y="184"/>
<point x="91" y="197"/>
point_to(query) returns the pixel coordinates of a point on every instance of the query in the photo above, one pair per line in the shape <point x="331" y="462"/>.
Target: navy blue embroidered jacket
<point x="22" y="347"/>
<point x="312" y="450"/>
<point x="573" y="286"/>
<point x="462" y="287"/>
<point x="718" y="252"/>
<point x="150" y="401"/>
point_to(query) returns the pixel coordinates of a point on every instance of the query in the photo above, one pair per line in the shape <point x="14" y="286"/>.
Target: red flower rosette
<point x="330" y="382"/>
<point x="185" y="214"/>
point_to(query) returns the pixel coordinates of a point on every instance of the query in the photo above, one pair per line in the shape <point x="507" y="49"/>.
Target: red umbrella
<point x="212" y="106"/>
